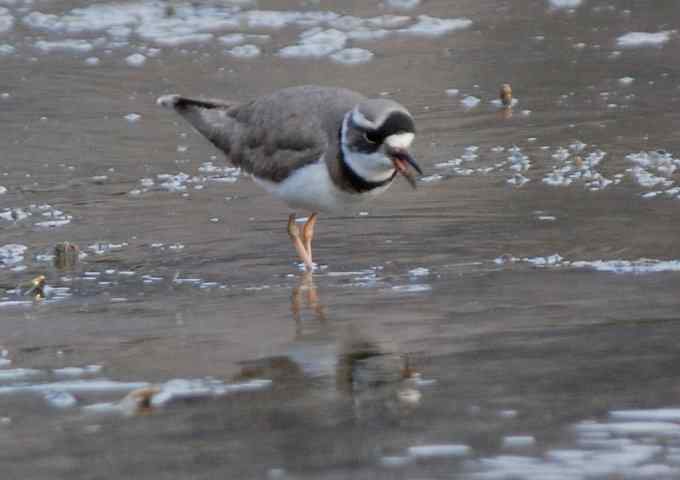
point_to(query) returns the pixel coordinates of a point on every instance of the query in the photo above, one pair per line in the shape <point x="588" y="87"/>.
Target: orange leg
<point x="294" y="233"/>
<point x="308" y="234"/>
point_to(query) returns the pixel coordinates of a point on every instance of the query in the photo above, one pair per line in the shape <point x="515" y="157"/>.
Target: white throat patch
<point x="400" y="140"/>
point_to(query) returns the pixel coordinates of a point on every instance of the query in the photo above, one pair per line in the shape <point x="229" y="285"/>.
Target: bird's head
<point x="376" y="136"/>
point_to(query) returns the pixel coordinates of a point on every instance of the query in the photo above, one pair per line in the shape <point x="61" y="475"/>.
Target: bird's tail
<point x="208" y="116"/>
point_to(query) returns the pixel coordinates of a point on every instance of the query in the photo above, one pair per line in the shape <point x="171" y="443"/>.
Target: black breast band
<point x="357" y="182"/>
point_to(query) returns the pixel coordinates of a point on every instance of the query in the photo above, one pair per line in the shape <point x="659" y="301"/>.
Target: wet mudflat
<point x="515" y="317"/>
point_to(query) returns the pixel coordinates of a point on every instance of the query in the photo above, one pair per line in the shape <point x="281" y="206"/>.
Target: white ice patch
<point x="655" y="428"/>
<point x="70" y="45"/>
<point x="7" y="49"/>
<point x="315" y="43"/>
<point x="77" y="371"/>
<point x="655" y="169"/>
<point x="442" y="450"/>
<point x="245" y="51"/>
<point x="564" y="3"/>
<point x="60" y="399"/>
<point x="419" y="272"/>
<point x="518" y="180"/>
<point x="643" y="39"/>
<point x="626" y="81"/>
<point x="572" y="168"/>
<point x="101" y="248"/>
<point x="413" y="288"/>
<point x="518" y="441"/>
<point x="659" y="414"/>
<point x="352" y="56"/>
<point x="433" y="27"/>
<point x="180" y="389"/>
<point x="12" y="254"/>
<point x="402" y="4"/>
<point x="3" y="190"/>
<point x="177" y="40"/>
<point x="239" y="38"/>
<point x="135" y="60"/>
<point x="6" y="20"/>
<point x="18" y="374"/>
<point x="640" y="266"/>
<point x="74" y="386"/>
<point x="200" y="23"/>
<point x="232" y="39"/>
<point x="470" y="102"/>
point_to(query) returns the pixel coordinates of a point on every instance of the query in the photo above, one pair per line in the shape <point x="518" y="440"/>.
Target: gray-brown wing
<point x="289" y="129"/>
<point x="274" y="135"/>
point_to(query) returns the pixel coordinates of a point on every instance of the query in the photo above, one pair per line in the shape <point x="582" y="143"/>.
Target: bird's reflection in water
<point x="336" y="366"/>
<point x="306" y="290"/>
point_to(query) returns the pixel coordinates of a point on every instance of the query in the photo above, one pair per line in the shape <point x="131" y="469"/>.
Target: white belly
<point x="311" y="188"/>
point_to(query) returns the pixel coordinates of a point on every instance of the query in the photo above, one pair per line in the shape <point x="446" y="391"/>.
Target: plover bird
<point x="315" y="148"/>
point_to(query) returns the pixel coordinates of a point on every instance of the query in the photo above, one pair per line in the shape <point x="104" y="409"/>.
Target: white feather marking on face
<point x="361" y="120"/>
<point x="400" y="140"/>
<point x="372" y="167"/>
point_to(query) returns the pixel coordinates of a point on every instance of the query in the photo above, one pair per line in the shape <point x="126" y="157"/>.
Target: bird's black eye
<point x="372" y="137"/>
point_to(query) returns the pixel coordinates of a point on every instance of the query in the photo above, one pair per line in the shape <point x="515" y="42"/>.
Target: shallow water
<point x="512" y="318"/>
